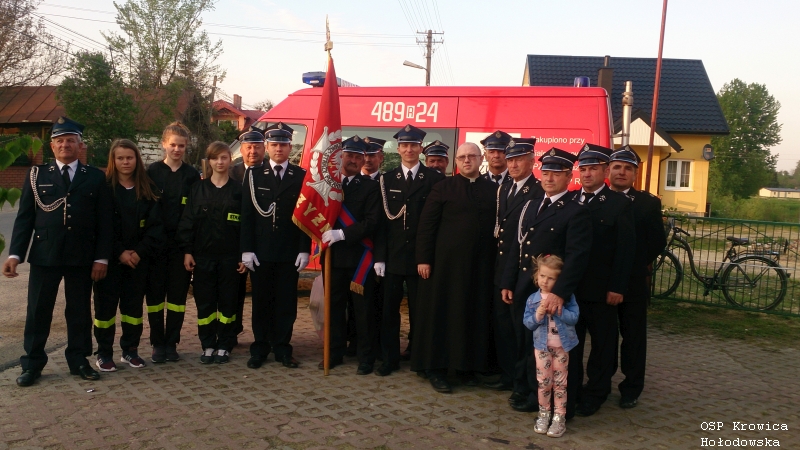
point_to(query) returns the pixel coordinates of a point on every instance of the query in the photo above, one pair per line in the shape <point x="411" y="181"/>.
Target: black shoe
<point x="405" y="355"/>
<point x="364" y="369"/>
<point x="628" y="402"/>
<point x="587" y="409"/>
<point x="222" y="356"/>
<point x="172" y="353"/>
<point x="208" y="356"/>
<point x="440" y="384"/>
<point x="159" y="355"/>
<point x="256" y="361"/>
<point x="525" y="406"/>
<point x="86" y="372"/>
<point x="289" y="362"/>
<point x="498" y="386"/>
<point x="517" y="397"/>
<point x="28" y="377"/>
<point x="331" y="364"/>
<point x="386" y="369"/>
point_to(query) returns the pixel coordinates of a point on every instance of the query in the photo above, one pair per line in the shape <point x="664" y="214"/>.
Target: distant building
<point x="233" y="113"/>
<point x="688" y="116"/>
<point x="773" y="192"/>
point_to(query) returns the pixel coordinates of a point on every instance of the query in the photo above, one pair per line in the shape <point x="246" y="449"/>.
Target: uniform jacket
<point x="613" y="246"/>
<point x="650" y="236"/>
<point x="236" y="172"/>
<point x="506" y="179"/>
<point x="137" y="224"/>
<point x="274" y="238"/>
<point x="209" y="227"/>
<point x="174" y="190"/>
<point x="563" y="229"/>
<point x="565" y="323"/>
<point x="78" y="236"/>
<point x="508" y="218"/>
<point x="362" y="198"/>
<point x="397" y="245"/>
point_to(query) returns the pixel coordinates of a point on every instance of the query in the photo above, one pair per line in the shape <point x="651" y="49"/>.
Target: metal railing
<point x="743" y="264"/>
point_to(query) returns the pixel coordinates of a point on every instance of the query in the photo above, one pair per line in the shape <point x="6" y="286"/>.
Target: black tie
<point x="409" y="179"/>
<point x="345" y="182"/>
<point x="513" y="191"/>
<point x="497" y="178"/>
<point x="545" y="204"/>
<point x="587" y="196"/>
<point x="278" y="173"/>
<point x="65" y="176"/>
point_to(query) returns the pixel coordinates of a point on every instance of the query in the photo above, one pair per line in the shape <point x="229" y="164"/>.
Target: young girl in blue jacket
<point x="553" y="337"/>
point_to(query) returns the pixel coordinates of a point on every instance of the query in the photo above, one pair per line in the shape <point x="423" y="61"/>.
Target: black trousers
<point x="216" y="293"/>
<point x="392" y="297"/>
<point x="238" y="325"/>
<point x="43" y="285"/>
<point x="632" y="313"/>
<point x="123" y="288"/>
<point x="600" y="320"/>
<point x="363" y="310"/>
<point x="513" y="343"/>
<point x="167" y="286"/>
<point x="274" y="308"/>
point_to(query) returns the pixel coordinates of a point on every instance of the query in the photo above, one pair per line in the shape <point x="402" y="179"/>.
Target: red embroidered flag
<point x="321" y="195"/>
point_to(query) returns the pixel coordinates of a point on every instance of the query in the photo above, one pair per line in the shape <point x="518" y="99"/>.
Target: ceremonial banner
<point x="321" y="195"/>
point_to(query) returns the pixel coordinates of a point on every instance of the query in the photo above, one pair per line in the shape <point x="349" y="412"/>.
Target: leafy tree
<point x="9" y="152"/>
<point x="29" y="55"/>
<point x="94" y="95"/>
<point x="743" y="163"/>
<point x="162" y="41"/>
<point x="264" y="105"/>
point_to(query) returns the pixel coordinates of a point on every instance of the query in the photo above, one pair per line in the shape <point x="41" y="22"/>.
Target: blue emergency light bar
<point x="317" y="79"/>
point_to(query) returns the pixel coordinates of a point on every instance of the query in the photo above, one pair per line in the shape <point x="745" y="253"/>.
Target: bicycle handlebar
<point x="678" y="229"/>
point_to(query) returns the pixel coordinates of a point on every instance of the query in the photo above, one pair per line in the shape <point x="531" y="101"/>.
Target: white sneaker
<point x="558" y="427"/>
<point x="542" y="421"/>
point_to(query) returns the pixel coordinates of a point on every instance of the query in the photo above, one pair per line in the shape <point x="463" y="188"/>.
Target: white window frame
<point x="679" y="170"/>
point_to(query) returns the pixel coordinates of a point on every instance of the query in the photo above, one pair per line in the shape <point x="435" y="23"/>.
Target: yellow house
<point x="688" y="116"/>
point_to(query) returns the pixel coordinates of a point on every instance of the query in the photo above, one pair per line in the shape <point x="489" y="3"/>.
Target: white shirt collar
<point x="414" y="170"/>
<point x="373" y="175"/>
<point x="583" y="192"/>
<point x="522" y="182"/>
<point x="626" y="191"/>
<point x="555" y="198"/>
<point x="284" y="164"/>
<point x="73" y="166"/>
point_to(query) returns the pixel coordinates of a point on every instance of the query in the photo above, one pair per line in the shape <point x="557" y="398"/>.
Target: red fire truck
<point x="563" y="117"/>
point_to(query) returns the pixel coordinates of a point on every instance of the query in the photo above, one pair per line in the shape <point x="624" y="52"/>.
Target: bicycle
<point x="747" y="280"/>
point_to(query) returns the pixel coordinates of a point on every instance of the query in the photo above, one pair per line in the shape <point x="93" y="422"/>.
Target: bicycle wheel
<point x="667" y="274"/>
<point x="754" y="282"/>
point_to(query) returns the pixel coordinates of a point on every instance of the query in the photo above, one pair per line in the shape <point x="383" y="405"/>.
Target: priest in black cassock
<point x="455" y="257"/>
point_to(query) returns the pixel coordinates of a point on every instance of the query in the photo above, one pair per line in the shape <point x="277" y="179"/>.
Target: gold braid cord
<point x="270" y="211"/>
<point x="52" y="206"/>
<point x="386" y="207"/>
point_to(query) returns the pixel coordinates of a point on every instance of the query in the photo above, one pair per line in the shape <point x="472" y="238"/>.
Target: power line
<point x="85" y="40"/>
<point x="270" y="38"/>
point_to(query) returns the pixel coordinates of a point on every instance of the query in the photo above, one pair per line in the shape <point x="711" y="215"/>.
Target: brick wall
<point x="14" y="176"/>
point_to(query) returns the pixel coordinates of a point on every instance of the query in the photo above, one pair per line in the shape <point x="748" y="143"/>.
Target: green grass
<point x="765" y="330"/>
<point x="756" y="208"/>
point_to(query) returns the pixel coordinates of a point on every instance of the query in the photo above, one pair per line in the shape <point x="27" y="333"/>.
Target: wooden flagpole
<point x="654" y="112"/>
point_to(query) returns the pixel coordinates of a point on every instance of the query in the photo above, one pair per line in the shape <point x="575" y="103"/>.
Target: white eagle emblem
<point x="326" y="162"/>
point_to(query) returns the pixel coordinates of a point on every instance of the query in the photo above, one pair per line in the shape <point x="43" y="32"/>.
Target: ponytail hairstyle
<point x="141" y="182"/>
<point x="550" y="261"/>
<point x="176" y="128"/>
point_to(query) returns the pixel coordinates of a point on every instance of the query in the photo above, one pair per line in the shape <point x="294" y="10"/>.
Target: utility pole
<point x="428" y="41"/>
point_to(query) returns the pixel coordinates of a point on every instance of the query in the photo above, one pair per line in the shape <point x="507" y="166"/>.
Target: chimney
<point x="605" y="75"/>
<point x="237" y="101"/>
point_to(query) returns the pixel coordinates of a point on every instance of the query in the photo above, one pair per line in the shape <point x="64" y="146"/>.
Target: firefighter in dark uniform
<point x="494" y="152"/>
<point x="252" y="149"/>
<point x="404" y="191"/>
<point x="650" y="241"/>
<point x="273" y="247"/>
<point x="67" y="207"/>
<point x="604" y="286"/>
<point x="556" y="224"/>
<point x="509" y="333"/>
<point x="349" y="241"/>
<point x="436" y="157"/>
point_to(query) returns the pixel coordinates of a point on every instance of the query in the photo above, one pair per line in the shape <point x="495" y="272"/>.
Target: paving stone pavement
<point x="691" y="381"/>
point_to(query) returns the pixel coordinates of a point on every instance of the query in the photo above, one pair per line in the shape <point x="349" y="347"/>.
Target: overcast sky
<point x="268" y="45"/>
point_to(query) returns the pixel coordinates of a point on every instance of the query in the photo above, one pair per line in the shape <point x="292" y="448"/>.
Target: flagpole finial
<point x="328" y="42"/>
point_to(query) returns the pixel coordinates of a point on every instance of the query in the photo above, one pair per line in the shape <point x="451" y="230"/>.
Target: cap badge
<point x="552" y="153"/>
<point x="366" y="139"/>
<point x="586" y="147"/>
<point x="61" y="120"/>
<point x="280" y="126"/>
<point x="498" y="135"/>
<point x="408" y="128"/>
<point x="355" y="139"/>
<point x="437" y="143"/>
<point x="511" y="143"/>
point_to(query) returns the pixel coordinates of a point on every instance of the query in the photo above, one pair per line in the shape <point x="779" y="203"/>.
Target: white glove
<point x="302" y="261"/>
<point x="332" y="236"/>
<point x="380" y="269"/>
<point x="250" y="261"/>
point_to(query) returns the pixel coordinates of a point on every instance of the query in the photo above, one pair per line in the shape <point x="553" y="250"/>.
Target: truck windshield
<point x="391" y="158"/>
<point x="298" y="140"/>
